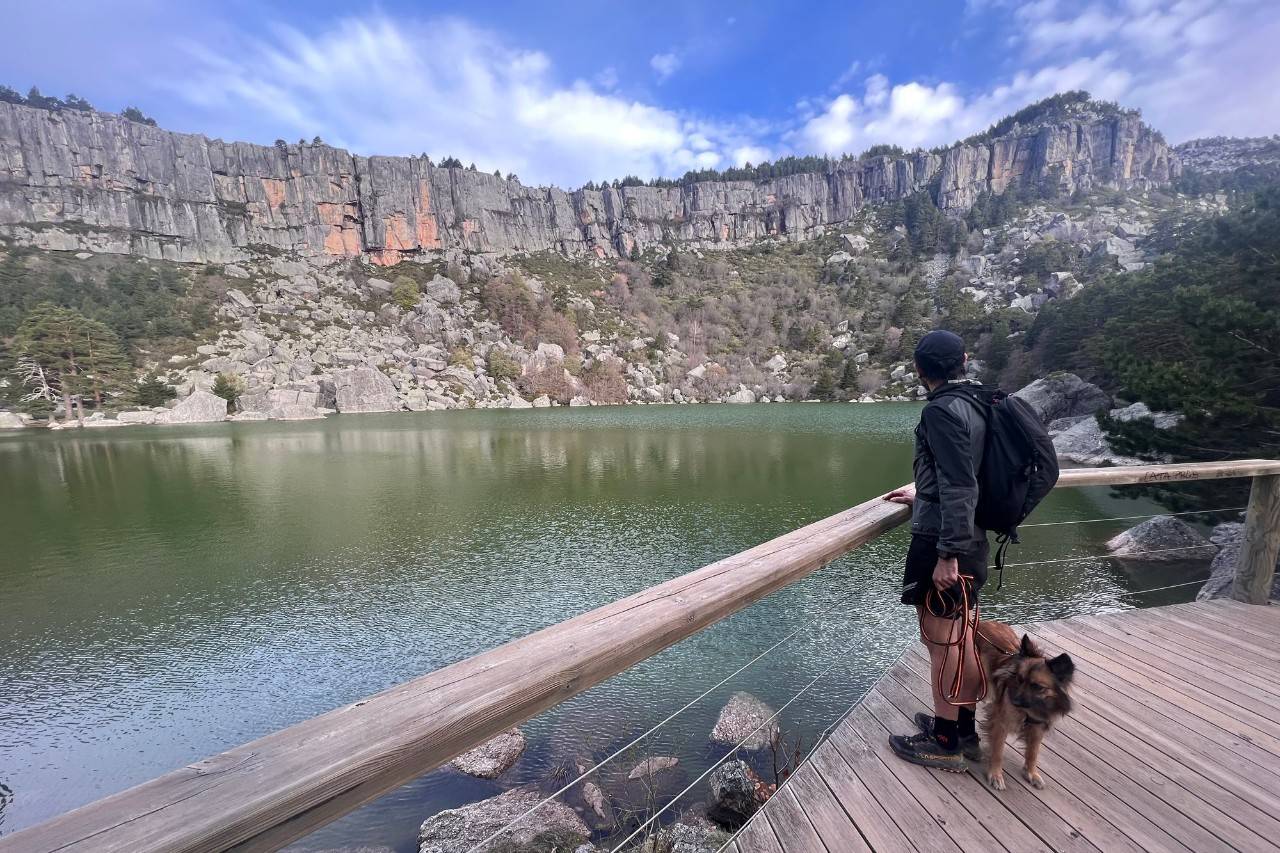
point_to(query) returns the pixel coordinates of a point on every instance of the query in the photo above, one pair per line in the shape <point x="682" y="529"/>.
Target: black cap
<point x="940" y="347"/>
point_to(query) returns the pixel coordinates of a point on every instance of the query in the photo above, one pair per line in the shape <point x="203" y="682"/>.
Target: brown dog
<point x="1026" y="694"/>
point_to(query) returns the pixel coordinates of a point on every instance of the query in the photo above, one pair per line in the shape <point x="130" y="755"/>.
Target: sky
<point x="564" y="92"/>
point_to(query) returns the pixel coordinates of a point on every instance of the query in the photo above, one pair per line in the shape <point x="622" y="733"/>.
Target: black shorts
<point x="922" y="559"/>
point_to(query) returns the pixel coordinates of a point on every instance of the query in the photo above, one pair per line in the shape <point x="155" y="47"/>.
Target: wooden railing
<point x="264" y="794"/>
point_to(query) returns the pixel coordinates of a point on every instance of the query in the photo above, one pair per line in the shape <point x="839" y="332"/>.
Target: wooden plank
<point x="1120" y="692"/>
<point x="1259" y="618"/>
<point x="1190" y="697"/>
<point x="280" y="787"/>
<point x="1212" y="616"/>
<point x="1060" y="771"/>
<point x="967" y="808"/>
<point x="932" y="817"/>
<point x="1171" y="779"/>
<point x="870" y="810"/>
<point x="1132" y="474"/>
<point x="792" y="827"/>
<point x="1229" y="663"/>
<point x="1178" y="660"/>
<point x="1223" y="635"/>
<point x="757" y="836"/>
<point x="832" y="822"/>
<point x="1257" y="567"/>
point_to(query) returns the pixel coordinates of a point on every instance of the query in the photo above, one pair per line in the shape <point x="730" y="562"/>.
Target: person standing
<point x="946" y="544"/>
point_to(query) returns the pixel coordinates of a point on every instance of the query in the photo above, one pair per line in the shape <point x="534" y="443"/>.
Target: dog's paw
<point x="1034" y="777"/>
<point x="996" y="778"/>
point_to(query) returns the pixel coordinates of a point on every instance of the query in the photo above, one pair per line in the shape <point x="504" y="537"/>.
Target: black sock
<point x="945" y="732"/>
<point x="967" y="724"/>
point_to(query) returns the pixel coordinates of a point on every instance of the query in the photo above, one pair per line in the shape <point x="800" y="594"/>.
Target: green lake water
<point x="170" y="592"/>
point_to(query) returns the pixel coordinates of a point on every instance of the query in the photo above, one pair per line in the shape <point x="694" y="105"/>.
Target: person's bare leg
<point x="946" y="659"/>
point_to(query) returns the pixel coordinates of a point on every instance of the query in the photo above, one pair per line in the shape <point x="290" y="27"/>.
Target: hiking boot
<point x="922" y="749"/>
<point x="970" y="747"/>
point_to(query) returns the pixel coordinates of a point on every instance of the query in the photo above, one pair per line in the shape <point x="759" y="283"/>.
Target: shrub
<point x="461" y="357"/>
<point x="229" y="387"/>
<point x="502" y="366"/>
<point x="405" y="292"/>
<point x="153" y="391"/>
<point x="604" y="383"/>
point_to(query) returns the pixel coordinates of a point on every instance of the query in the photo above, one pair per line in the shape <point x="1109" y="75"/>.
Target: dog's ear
<point x="1062" y="667"/>
<point x="1028" y="649"/>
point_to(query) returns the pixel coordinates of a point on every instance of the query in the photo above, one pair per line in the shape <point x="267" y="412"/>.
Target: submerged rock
<point x="652" y="766"/>
<point x="743" y="719"/>
<point x="491" y="759"/>
<point x="458" y="830"/>
<point x="1157" y="534"/>
<point x="736" y="794"/>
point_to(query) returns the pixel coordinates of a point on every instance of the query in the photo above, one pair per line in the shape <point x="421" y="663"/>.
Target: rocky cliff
<point x="98" y="182"/>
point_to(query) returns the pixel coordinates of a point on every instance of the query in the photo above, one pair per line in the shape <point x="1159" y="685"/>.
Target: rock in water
<point x="199" y="408"/>
<point x="9" y="420"/>
<point x="740" y="718"/>
<point x="1064" y="395"/>
<point x="458" y="830"/>
<point x="364" y="389"/>
<point x="652" y="766"/>
<point x="1160" y="534"/>
<point x="491" y="759"/>
<point x="1229" y="537"/>
<point x="690" y="834"/>
<point x="735" y="794"/>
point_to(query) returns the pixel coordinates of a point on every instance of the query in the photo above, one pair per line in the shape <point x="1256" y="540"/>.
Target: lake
<point x="170" y="592"/>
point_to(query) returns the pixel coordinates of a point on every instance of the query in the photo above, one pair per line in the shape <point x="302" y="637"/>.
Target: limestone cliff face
<point x="98" y="182"/>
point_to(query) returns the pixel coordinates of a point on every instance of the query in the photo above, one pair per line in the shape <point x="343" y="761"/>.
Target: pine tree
<point x="74" y="355"/>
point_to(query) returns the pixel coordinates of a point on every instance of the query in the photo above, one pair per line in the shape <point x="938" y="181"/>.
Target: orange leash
<point x="968" y="626"/>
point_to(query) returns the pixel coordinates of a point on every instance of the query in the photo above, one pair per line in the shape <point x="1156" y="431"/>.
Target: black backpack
<point x="1019" y="464"/>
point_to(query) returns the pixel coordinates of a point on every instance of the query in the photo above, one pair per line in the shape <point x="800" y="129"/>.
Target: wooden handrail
<point x="267" y="793"/>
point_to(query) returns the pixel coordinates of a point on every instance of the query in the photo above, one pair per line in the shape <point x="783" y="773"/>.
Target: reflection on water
<point x="171" y="592"/>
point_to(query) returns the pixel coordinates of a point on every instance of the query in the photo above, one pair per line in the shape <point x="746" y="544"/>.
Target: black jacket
<point x="949" y="443"/>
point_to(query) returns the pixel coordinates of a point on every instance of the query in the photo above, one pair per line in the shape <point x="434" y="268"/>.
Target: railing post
<point x="1256" y="570"/>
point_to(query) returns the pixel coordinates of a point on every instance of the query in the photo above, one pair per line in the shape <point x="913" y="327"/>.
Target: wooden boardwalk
<point x="1174" y="745"/>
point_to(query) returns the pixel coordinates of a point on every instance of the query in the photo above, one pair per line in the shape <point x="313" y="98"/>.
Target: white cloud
<point x="665" y="64"/>
<point x="383" y="87"/>
<point x="754" y="154"/>
<point x="1194" y="67"/>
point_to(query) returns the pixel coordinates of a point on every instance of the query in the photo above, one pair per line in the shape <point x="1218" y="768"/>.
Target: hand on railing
<point x="905" y="495"/>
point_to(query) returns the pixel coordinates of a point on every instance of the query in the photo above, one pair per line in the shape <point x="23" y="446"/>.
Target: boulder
<point x="198" y="408"/>
<point x="736" y="794"/>
<point x="690" y="834"/>
<point x="144" y="416"/>
<point x="839" y="259"/>
<point x="1064" y="395"/>
<point x="249" y="416"/>
<point x="542" y="402"/>
<point x="778" y="363"/>
<point x="364" y="389"/>
<point x="1084" y="443"/>
<point x="1158" y="534"/>
<point x="652" y="766"/>
<point x="1141" y="412"/>
<point x="11" y="420"/>
<point x="595" y="798"/>
<point x="740" y="718"/>
<point x="458" y="830"/>
<point x="443" y="290"/>
<point x="1229" y="538"/>
<point x="491" y="759"/>
<point x="855" y="243"/>
<point x="515" y="401"/>
<point x="742" y="395"/>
